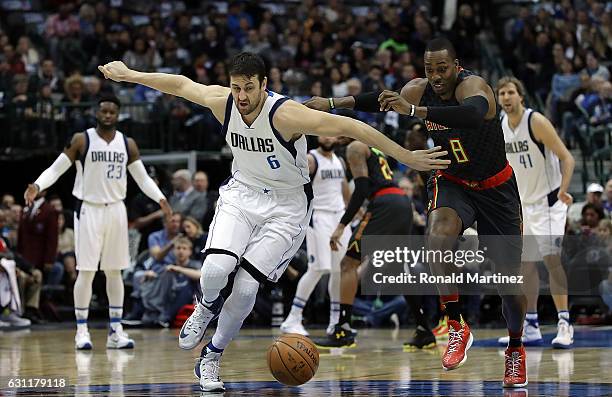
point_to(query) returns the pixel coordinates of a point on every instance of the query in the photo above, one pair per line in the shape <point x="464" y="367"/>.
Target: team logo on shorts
<point x="311" y="259"/>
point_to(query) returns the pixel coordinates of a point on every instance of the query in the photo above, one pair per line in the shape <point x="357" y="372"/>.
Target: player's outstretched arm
<point x="144" y="181"/>
<point x="58" y="168"/>
<point x="293" y="119"/>
<point x="174" y="84"/>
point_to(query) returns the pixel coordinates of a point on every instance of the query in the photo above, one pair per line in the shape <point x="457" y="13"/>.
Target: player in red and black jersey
<point x="389" y="212"/>
<point x="461" y="116"/>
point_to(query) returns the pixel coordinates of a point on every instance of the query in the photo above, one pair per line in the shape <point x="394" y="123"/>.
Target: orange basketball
<point x="293" y="359"/>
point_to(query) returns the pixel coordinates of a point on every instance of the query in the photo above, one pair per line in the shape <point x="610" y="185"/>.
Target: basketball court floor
<point x="376" y="367"/>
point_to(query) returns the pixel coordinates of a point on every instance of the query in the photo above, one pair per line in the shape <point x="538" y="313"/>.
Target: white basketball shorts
<point x="266" y="228"/>
<point x="101" y="236"/>
<point x="320" y="255"/>
<point x="543" y="229"/>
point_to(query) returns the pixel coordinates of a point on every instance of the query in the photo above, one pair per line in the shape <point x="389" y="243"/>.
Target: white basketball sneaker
<point x="118" y="339"/>
<point x="82" y="340"/>
<point x="207" y="370"/>
<point x="194" y="328"/>
<point x="293" y="325"/>
<point x="532" y="336"/>
<point x="565" y="336"/>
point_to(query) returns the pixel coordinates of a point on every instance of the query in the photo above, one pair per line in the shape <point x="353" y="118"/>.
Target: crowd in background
<point x="49" y="75"/>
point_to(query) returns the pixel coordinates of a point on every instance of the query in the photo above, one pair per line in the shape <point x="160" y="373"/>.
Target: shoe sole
<point x="412" y="348"/>
<point x="514" y="385"/>
<point x="561" y="346"/>
<point x="352" y="345"/>
<point x="469" y="344"/>
<point x="88" y="346"/>
<point x="213" y="390"/>
<point x="115" y="347"/>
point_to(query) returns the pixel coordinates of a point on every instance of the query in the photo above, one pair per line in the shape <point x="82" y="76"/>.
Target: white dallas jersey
<point x="262" y="158"/>
<point x="327" y="183"/>
<point x="537" y="169"/>
<point x="101" y="172"/>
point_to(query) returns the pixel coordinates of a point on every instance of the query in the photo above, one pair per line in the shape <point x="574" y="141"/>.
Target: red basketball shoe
<point x="516" y="372"/>
<point x="459" y="341"/>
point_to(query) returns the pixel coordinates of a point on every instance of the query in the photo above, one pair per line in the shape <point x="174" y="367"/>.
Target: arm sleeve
<point x="367" y="102"/>
<point x="468" y="115"/>
<point x="362" y="191"/>
<point x="144" y="181"/>
<point x="50" y="175"/>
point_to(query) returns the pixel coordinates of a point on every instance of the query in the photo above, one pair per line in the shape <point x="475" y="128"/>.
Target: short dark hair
<point x="247" y="64"/>
<point x="441" y="44"/>
<point x="109" y="98"/>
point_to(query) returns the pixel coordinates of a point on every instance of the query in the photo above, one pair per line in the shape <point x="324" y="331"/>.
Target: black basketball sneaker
<point x="341" y="337"/>
<point x="421" y="339"/>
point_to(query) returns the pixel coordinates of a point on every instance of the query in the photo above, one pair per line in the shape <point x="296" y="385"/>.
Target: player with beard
<point x="461" y="116"/>
<point x="331" y="194"/>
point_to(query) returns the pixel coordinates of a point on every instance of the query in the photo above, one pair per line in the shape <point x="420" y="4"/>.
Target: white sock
<point x="115" y="292"/>
<point x="564" y="315"/>
<point x="304" y="289"/>
<point x="333" y="287"/>
<point x="81" y="314"/>
<point x="82" y="298"/>
<point x="532" y="318"/>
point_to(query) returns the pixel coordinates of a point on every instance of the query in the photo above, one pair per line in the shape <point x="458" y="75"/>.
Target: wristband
<point x="331" y="103"/>
<point x="412" y="110"/>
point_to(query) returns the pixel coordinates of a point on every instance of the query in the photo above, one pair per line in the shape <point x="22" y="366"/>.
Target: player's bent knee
<point x="217" y="267"/>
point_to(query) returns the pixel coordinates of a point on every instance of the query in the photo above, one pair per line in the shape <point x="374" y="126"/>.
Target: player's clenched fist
<point x="116" y="71"/>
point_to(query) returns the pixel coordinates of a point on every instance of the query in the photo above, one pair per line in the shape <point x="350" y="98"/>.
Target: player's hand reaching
<point x="391" y="100"/>
<point x="30" y="194"/>
<point x="334" y="240"/>
<point x="425" y="160"/>
<point x="318" y="103"/>
<point x="116" y="71"/>
<point x="565" y="197"/>
<point x="166" y="209"/>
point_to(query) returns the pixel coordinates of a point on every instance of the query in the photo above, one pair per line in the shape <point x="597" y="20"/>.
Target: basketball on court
<point x="293" y="359"/>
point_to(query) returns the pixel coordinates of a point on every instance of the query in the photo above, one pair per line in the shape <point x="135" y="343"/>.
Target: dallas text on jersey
<point x="252" y="144"/>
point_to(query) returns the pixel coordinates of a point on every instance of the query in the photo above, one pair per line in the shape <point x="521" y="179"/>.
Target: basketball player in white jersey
<point x="543" y="167"/>
<point x="264" y="207"/>
<point x="331" y="193"/>
<point x="102" y="156"/>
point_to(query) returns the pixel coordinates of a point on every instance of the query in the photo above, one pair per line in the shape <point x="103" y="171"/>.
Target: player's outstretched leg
<point x="238" y="306"/>
<point x="513" y="309"/>
<point x="293" y="322"/>
<point x="82" y="298"/>
<point x="215" y="270"/>
<point x="117" y="338"/>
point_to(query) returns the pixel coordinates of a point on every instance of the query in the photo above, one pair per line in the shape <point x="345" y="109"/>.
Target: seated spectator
<point x="563" y="84"/>
<point x="37" y="239"/>
<point x="29" y="55"/>
<point x="594" y="68"/>
<point x="208" y="199"/>
<point x="143" y="56"/>
<point x="185" y="198"/>
<point x="48" y="75"/>
<point x="162" y="241"/>
<point x="10" y="302"/>
<point x="77" y="115"/>
<point x="145" y="214"/>
<point x="593" y="196"/>
<point x="7" y="201"/>
<point x="65" y="248"/>
<point x="604" y="232"/>
<point x="56" y="202"/>
<point x="193" y="231"/>
<point x="607" y="202"/>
